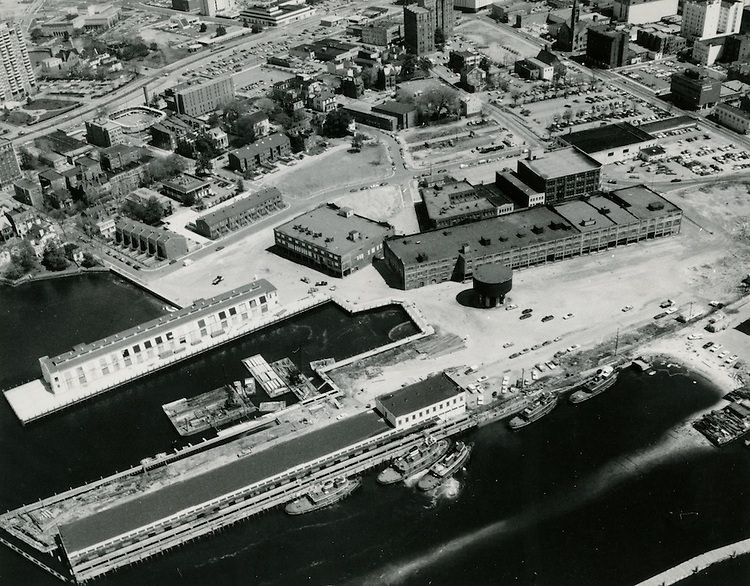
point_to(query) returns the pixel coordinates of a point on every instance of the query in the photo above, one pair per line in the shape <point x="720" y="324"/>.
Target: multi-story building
<point x="142" y="195"/>
<point x="167" y="133"/>
<point x="29" y="192"/>
<point x="193" y="6"/>
<point x="531" y="68"/>
<point x="419" y="30"/>
<point x="444" y="16"/>
<point x="332" y="239"/>
<point x="562" y="174"/>
<point x="9" y="169"/>
<point x="643" y="11"/>
<point x="530" y="237"/>
<point x="16" y="73"/>
<point x="436" y="396"/>
<point x="694" y="89"/>
<point x="459" y="60"/>
<point x="607" y="48"/>
<point x="455" y="202"/>
<point x="105" y="363"/>
<point x="100" y="17"/>
<point x="705" y="19"/>
<point x="734" y="118"/>
<point x="471" y="5"/>
<point x="157" y="242"/>
<point x="104" y="133"/>
<point x="405" y="114"/>
<point x="198" y="99"/>
<point x="239" y="213"/>
<point x="661" y="43"/>
<point x="119" y="156"/>
<point x="382" y="33"/>
<point x="275" y="14"/>
<point x="261" y="152"/>
<point x="186" y="187"/>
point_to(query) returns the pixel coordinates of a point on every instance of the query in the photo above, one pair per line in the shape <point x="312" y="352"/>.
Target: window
<point x="136" y="349"/>
<point x="222" y="315"/>
<point x="158" y="340"/>
<point x="147" y="344"/>
<point x="232" y="311"/>
<point x="170" y="336"/>
<point x="262" y="298"/>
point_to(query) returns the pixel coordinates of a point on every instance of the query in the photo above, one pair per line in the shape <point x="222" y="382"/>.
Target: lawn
<point x="334" y="169"/>
<point x="49" y="104"/>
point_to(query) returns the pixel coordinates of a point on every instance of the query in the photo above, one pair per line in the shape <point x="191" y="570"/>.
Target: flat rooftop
<point x="169" y="321"/>
<point x="644" y="203"/>
<point x="185" y="182"/>
<point x="560" y="163"/>
<point x="438" y="203"/>
<point x="491" y="236"/>
<point x="191" y="492"/>
<point x="325" y="226"/>
<point x="612" y="136"/>
<point x="419" y="395"/>
<point x="584" y="216"/>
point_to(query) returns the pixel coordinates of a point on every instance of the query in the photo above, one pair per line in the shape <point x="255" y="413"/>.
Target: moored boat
<point x="447" y="466"/>
<point x="540" y="407"/>
<point x="417" y="460"/>
<point x="323" y="495"/>
<point x="604" y="378"/>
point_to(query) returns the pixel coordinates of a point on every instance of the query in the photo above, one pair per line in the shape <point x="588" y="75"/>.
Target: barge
<point x="604" y="378"/>
<point x="541" y="406"/>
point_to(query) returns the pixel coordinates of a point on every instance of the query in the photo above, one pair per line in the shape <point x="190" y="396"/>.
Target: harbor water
<point x="599" y="493"/>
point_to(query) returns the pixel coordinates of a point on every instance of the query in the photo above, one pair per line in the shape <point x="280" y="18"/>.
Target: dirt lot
<point x="498" y="44"/>
<point x="336" y="169"/>
<point x="388" y="203"/>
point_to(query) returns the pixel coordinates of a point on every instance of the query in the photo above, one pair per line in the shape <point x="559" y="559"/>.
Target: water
<point x="592" y="494"/>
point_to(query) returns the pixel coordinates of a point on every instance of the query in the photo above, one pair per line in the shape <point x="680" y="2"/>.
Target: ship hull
<point x="589" y="393"/>
<point x="308" y="504"/>
<point x="396" y="473"/>
<point x="521" y="421"/>
<point x="438" y="473"/>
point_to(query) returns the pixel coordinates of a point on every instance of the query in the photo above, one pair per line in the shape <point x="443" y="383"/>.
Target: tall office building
<point x="419" y="29"/>
<point x="16" y="74"/>
<point x="444" y="16"/>
<point x="9" y="169"/>
<point x="706" y="19"/>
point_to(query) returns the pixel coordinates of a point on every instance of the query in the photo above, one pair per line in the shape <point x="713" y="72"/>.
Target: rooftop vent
<point x="346" y="212"/>
<point x="589" y="222"/>
<point x="537" y="229"/>
<point x="421" y="257"/>
<point x="656" y="205"/>
<point x="484" y="241"/>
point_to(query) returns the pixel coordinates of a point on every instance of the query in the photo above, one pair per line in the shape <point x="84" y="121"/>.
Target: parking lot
<point x="655" y="75"/>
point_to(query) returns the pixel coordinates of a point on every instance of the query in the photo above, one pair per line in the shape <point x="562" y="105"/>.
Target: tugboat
<point x="417" y="460"/>
<point x="323" y="495"/>
<point x="540" y="407"/>
<point x="445" y="467"/>
<point x="604" y="378"/>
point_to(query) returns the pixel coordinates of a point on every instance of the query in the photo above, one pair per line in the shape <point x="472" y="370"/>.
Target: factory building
<point x="332" y="239"/>
<point x="530" y="237"/>
<point x="608" y="144"/>
<point x="88" y="369"/>
<point x="435" y="396"/>
<point x="455" y="202"/>
<point x="562" y="174"/>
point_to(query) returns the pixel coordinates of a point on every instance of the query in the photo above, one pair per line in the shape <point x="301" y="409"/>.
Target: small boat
<point x="323" y="495"/>
<point x="540" y="407"/>
<point x="446" y="467"/>
<point x="417" y="460"/>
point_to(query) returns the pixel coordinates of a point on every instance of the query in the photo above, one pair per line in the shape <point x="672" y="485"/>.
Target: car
<point x="218" y="248"/>
<point x="548" y="318"/>
<point x="557" y="339"/>
<point x="660" y="315"/>
<point x="707" y="345"/>
<point x="525" y="316"/>
<point x="733" y="357"/>
<point x="568" y="315"/>
<point x="546" y="342"/>
<point x="482" y="378"/>
<point x="217" y="280"/>
<point x="666" y="303"/>
<point x="536" y="346"/>
<point x="528" y="310"/>
<point x="716" y="347"/>
<point x="670" y="310"/>
<point x="716" y="304"/>
<point x="676" y="180"/>
<point x="321" y="283"/>
<point x="511" y="306"/>
<point x="524" y="351"/>
<point x="573" y="348"/>
<point x="695" y="337"/>
<point x="514" y="355"/>
<point x="627" y="308"/>
<point x="507" y="344"/>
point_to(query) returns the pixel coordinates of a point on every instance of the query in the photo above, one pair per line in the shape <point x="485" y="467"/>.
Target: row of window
<point x="422" y="413"/>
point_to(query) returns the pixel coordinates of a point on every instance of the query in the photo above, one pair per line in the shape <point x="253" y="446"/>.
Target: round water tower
<point x="492" y="283"/>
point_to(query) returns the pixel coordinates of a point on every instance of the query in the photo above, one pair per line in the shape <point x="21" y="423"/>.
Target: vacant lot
<point x="498" y="44"/>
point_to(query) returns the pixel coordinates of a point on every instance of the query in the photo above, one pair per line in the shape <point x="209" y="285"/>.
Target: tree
<point x="220" y="31"/>
<point x="244" y="127"/>
<point x="24" y="256"/>
<point x="88" y="260"/>
<point x="160" y="170"/>
<point x="88" y="226"/>
<point x="437" y="102"/>
<point x="257" y="28"/>
<point x="240" y="186"/>
<point x="408" y="65"/>
<point x="53" y="257"/>
<point x="337" y="123"/>
<point x="36" y="34"/>
<point x="203" y="165"/>
<point x="153" y="211"/>
<point x="153" y="47"/>
<point x="202" y="28"/>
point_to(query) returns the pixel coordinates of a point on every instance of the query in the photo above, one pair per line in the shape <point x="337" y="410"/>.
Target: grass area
<point x="336" y="168"/>
<point x="49" y="104"/>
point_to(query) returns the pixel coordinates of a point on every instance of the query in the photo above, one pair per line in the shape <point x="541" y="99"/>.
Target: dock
<point x="265" y="376"/>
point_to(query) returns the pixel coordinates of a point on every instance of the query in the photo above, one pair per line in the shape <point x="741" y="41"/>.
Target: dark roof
<point x="668" y="124"/>
<point x="269" y="142"/>
<point x="602" y="138"/>
<point x="394" y="108"/>
<point x="239" y="206"/>
<point x="419" y="395"/>
<point x="242" y="472"/>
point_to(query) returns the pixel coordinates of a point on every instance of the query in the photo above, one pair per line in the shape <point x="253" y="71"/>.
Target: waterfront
<point x="599" y="493"/>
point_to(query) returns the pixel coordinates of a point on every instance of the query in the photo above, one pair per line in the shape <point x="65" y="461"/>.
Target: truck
<point x="667" y="303"/>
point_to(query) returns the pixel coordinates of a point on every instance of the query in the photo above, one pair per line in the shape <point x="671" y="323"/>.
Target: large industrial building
<point x="332" y="239"/>
<point x="100" y="365"/>
<point x="608" y="144"/>
<point x="199" y="99"/>
<point x="562" y="174"/>
<point x="534" y="236"/>
<point x="455" y="202"/>
<point x="16" y="73"/>
<point x="275" y="13"/>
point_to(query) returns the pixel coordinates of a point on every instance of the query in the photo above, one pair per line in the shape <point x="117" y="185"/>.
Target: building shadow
<point x="389" y="276"/>
<point x="468" y="298"/>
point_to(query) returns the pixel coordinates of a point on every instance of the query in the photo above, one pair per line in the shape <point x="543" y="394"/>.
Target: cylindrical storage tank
<point x="492" y="282"/>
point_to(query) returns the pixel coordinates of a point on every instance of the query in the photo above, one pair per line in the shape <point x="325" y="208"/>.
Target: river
<point x="593" y="494"/>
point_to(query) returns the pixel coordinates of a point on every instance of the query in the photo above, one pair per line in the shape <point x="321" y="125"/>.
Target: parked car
<point x="707" y="345"/>
<point x="548" y="318"/>
<point x="507" y="344"/>
<point x="525" y="316"/>
<point x="511" y="306"/>
<point x="568" y="316"/>
<point x="527" y="310"/>
<point x="660" y="315"/>
<point x="627" y="308"/>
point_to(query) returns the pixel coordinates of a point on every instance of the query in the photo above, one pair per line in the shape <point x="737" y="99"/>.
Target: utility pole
<point x="617" y="340"/>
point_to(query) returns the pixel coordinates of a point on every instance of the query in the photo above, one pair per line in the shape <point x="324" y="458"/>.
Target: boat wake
<point x="446" y="490"/>
<point x="565" y="501"/>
